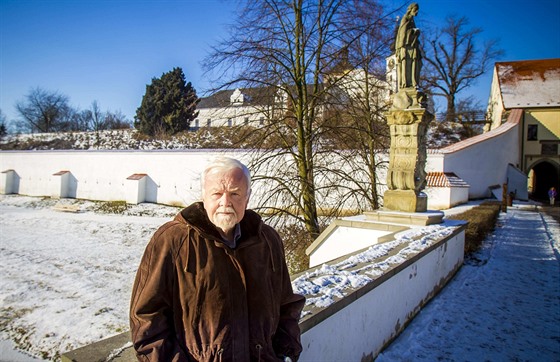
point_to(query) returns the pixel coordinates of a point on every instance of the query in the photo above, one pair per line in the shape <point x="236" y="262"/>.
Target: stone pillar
<point x="9" y="182"/>
<point x="136" y="188"/>
<point x="406" y="178"/>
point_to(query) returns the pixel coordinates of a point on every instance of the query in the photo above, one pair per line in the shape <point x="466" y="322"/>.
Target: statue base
<point x="405" y="200"/>
<point x="405" y="218"/>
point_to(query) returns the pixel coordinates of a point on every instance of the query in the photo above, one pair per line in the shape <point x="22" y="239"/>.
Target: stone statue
<point x="408" y="120"/>
<point x="407" y="50"/>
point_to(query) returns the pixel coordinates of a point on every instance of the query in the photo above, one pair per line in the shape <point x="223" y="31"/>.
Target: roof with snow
<point x="529" y="83"/>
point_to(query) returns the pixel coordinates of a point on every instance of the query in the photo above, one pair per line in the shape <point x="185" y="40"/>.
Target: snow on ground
<point x="66" y="280"/>
<point x="504" y="307"/>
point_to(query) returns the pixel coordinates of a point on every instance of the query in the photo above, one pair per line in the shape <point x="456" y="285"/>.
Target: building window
<point x="208" y="122"/>
<point x="229" y="122"/>
<point x="246" y="120"/>
<point x="261" y="121"/>
<point x="196" y="123"/>
<point x="532" y="132"/>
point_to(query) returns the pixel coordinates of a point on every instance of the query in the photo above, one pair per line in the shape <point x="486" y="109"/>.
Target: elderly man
<point x="213" y="283"/>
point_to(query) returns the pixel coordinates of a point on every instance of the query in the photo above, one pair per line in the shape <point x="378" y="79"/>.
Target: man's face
<point x="225" y="197"/>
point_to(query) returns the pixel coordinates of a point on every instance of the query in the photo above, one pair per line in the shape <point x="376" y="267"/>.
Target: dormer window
<point x="236" y="97"/>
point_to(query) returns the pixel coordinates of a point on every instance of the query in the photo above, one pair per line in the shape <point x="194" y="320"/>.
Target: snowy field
<point x="66" y="280"/>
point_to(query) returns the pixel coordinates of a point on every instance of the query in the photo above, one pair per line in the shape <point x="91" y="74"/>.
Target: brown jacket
<point x="195" y="299"/>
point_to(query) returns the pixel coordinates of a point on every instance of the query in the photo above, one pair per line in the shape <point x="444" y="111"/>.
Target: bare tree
<point x="358" y="101"/>
<point x="454" y="60"/>
<point x="97" y="117"/>
<point x="3" y="125"/>
<point x="99" y="120"/>
<point x="116" y="120"/>
<point x="288" y="47"/>
<point x="80" y="121"/>
<point x="45" y="111"/>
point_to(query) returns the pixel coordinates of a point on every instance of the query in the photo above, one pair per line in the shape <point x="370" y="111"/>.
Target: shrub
<point x="296" y="239"/>
<point x="482" y="220"/>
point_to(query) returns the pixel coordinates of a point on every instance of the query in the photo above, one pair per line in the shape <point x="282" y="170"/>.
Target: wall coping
<point x="320" y="314"/>
<point x="512" y="121"/>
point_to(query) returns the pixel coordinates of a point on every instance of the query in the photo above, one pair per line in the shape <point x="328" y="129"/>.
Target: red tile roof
<point x="136" y="176"/>
<point x="444" y="179"/>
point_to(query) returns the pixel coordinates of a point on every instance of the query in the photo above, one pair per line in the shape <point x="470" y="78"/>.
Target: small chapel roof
<point x="529" y="83"/>
<point x="444" y="179"/>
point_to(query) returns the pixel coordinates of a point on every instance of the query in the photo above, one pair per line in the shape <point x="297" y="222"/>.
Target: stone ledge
<point x="406" y="218"/>
<point x="115" y="349"/>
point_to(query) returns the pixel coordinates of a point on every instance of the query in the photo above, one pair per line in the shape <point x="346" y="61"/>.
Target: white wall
<point x="102" y="175"/>
<point x="345" y="240"/>
<point x="443" y="198"/>
<point x="174" y="176"/>
<point x="517" y="183"/>
<point x="482" y="161"/>
<point x="348" y="235"/>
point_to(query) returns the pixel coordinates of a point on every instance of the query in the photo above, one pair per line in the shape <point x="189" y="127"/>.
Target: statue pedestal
<point x="405" y="200"/>
<point x="406" y="177"/>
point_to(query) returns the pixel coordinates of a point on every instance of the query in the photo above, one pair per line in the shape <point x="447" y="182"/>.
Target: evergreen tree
<point x="168" y="107"/>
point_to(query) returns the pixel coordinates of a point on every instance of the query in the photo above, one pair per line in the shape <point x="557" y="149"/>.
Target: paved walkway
<point x="503" y="307"/>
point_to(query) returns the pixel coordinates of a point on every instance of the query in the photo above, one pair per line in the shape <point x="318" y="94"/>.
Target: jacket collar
<point x="196" y="216"/>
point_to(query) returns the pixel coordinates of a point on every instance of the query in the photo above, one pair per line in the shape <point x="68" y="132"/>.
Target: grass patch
<point x="482" y="221"/>
<point x="112" y="207"/>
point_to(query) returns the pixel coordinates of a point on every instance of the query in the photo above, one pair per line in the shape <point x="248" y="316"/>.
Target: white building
<point x="229" y="108"/>
<point x="533" y="87"/>
<point x="255" y="106"/>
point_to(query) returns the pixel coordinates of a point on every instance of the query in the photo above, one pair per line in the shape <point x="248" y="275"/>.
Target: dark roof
<point x="252" y="96"/>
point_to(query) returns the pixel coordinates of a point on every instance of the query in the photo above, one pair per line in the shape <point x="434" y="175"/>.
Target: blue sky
<point x="109" y="50"/>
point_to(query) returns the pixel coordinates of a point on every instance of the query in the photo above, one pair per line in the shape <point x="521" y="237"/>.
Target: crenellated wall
<point x="173" y="176"/>
<point x="170" y="177"/>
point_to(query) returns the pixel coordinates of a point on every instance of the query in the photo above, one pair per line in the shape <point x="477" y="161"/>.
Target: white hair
<point x="225" y="164"/>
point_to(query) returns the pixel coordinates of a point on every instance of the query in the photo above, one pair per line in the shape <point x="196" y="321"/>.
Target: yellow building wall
<point x="550" y="119"/>
<point x="548" y="128"/>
